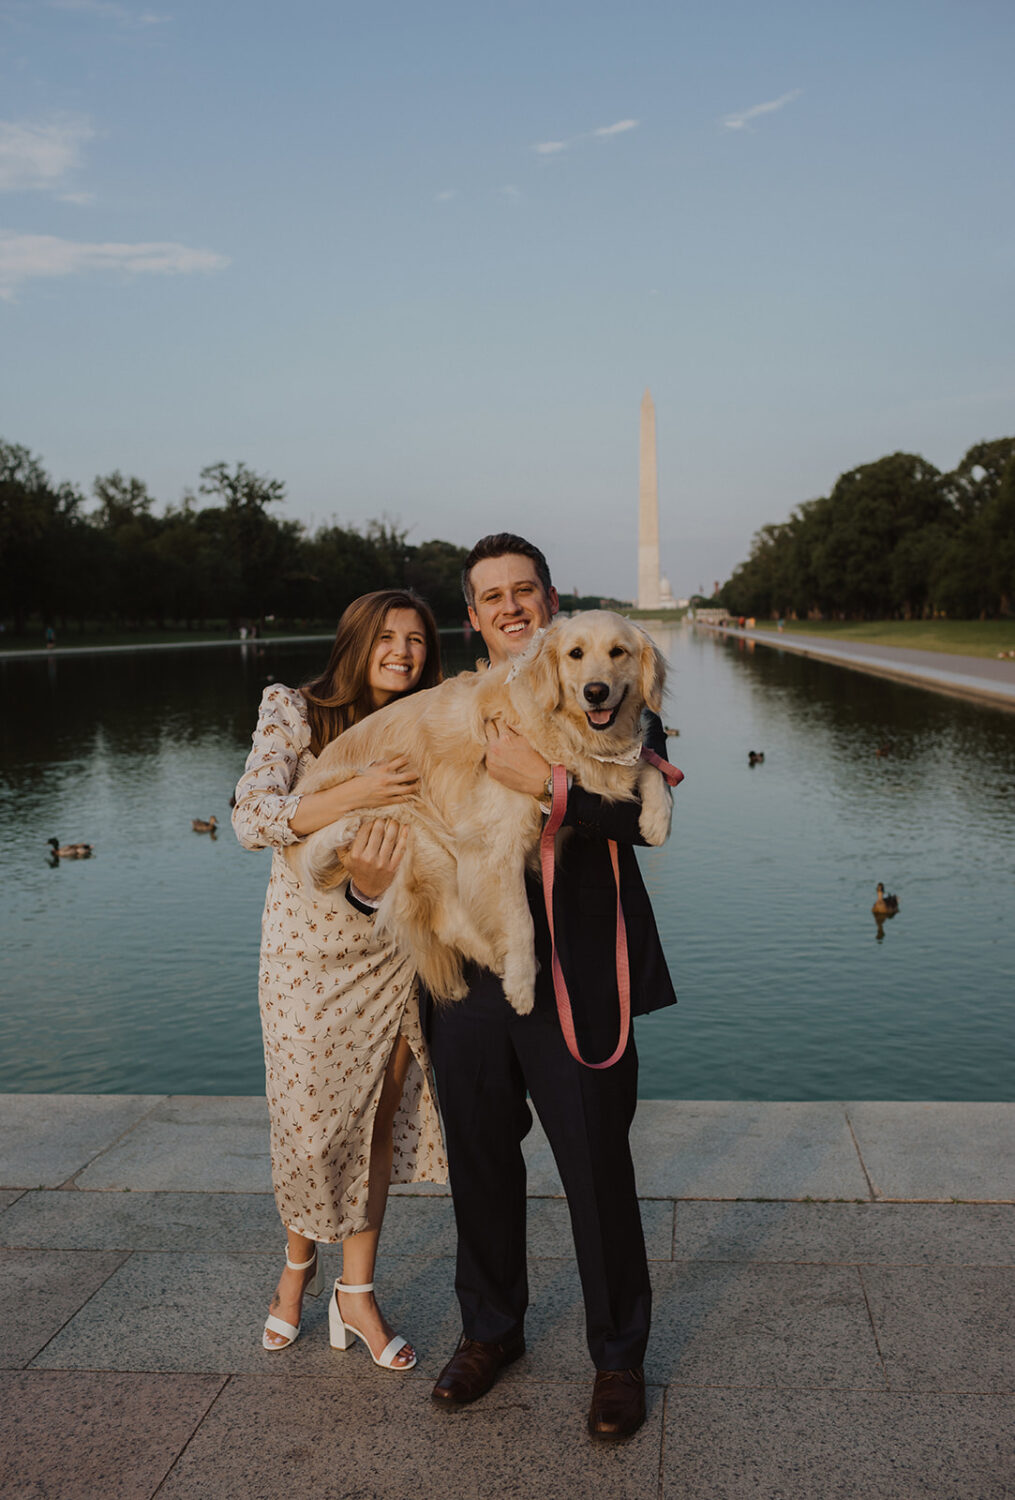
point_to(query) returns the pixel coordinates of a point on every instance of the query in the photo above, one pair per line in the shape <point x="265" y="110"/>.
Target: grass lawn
<point x="957" y="637"/>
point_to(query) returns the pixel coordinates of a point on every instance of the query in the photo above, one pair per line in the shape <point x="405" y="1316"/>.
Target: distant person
<point x="50" y="637"/>
<point x="488" y="1059"/>
<point x="349" y="1093"/>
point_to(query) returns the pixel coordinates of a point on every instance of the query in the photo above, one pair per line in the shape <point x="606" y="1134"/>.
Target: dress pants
<point x="485" y="1057"/>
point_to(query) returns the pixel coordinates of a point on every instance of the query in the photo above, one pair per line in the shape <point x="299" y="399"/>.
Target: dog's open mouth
<point x="605" y="718"/>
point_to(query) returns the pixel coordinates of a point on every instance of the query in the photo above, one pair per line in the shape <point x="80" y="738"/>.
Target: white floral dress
<point x="334" y="999"/>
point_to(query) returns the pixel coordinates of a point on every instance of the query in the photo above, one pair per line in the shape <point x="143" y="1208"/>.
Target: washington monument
<point x="653" y="589"/>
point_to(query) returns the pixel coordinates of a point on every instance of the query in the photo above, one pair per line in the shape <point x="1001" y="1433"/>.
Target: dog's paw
<point x="342" y="833"/>
<point x="520" y="1001"/>
<point x="654" y="822"/>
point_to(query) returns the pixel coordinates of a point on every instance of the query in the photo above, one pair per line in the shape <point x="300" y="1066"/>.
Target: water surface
<point x="136" y="971"/>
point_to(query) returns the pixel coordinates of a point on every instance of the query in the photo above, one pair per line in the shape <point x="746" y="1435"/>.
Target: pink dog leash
<point x="553" y="822"/>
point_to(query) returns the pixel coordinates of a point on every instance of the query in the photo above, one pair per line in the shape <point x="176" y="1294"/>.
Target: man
<point x="486" y="1057"/>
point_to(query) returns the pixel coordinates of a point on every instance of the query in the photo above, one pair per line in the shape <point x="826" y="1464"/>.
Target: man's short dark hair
<point x="503" y="544"/>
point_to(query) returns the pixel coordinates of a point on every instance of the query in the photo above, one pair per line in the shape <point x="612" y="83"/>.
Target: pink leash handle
<point x="546" y="858"/>
<point x="672" y="775"/>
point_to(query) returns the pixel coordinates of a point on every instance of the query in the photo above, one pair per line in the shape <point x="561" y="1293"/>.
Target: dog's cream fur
<point x="460" y="890"/>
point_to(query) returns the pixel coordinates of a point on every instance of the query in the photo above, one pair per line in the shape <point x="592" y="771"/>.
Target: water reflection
<point x="136" y="970"/>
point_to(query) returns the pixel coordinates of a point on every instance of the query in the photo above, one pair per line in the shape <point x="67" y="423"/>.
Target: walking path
<point x="40" y="653"/>
<point x="965" y="676"/>
<point x="834" y="1290"/>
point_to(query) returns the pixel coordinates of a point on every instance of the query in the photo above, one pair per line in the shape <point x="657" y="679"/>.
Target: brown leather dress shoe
<point x="472" y="1370"/>
<point x="618" y="1404"/>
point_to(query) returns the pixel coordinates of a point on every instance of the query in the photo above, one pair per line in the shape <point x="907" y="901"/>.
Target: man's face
<point x="511" y="604"/>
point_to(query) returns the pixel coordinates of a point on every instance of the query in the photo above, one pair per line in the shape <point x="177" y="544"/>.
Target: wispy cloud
<point x="618" y="129"/>
<point x="108" y="10"/>
<point x="511" y="192"/>
<point x="24" y="257"/>
<point x="37" y="157"/>
<point x="601" y="133"/>
<point x="742" y="120"/>
<point x="446" y="195"/>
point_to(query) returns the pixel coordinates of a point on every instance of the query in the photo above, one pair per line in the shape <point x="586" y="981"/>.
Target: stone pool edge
<point x="865" y="1151"/>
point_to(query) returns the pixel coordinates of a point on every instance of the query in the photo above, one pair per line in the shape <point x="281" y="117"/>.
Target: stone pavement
<point x="980" y="677"/>
<point x="834" y="1288"/>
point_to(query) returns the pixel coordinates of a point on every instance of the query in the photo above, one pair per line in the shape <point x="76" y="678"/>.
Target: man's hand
<point x="375" y="855"/>
<point x="511" y="760"/>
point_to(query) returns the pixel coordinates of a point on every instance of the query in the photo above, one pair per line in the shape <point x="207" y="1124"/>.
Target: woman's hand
<point x="375" y="855"/>
<point x="384" y="782"/>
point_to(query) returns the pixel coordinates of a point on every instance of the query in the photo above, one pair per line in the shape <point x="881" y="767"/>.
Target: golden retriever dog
<point x="576" y="694"/>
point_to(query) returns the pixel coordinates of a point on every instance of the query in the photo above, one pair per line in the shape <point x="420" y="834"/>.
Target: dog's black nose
<point x="597" y="692"/>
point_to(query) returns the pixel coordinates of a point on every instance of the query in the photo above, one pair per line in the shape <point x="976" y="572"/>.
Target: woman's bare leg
<point x="287" y="1302"/>
<point x="359" y="1251"/>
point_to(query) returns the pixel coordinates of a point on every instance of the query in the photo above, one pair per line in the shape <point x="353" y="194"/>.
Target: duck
<point x="884" y="906"/>
<point x="885" y="749"/>
<point x="69" y="851"/>
<point x="755" y="757"/>
<point x="204" y="825"/>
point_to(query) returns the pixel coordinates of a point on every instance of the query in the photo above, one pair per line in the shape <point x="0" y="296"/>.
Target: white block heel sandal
<point x="289" y="1331"/>
<point x="342" y="1333"/>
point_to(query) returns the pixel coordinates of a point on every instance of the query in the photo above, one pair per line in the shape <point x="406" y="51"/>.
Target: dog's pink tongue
<point x="600" y="715"/>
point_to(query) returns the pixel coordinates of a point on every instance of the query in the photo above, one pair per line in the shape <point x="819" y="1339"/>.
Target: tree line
<point x="894" y="539"/>
<point x="223" y="553"/>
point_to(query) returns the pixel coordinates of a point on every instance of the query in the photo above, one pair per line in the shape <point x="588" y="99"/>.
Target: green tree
<point x="256" y="551"/>
<point x="40" y="525"/>
<point x="434" y="569"/>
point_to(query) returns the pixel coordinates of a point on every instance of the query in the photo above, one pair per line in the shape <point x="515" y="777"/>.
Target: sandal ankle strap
<point x="341" y="1286"/>
<point x="300" y="1265"/>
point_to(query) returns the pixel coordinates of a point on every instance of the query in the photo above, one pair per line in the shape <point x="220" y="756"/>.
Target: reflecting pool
<point x="136" y="970"/>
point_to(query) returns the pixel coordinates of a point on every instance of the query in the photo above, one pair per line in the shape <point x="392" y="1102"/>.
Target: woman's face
<point x="398" y="657"/>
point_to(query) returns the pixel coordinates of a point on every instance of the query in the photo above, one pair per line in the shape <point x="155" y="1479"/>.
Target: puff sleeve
<point x="264" y="799"/>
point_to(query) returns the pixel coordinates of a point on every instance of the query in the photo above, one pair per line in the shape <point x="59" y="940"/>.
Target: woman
<point x="350" y="1097"/>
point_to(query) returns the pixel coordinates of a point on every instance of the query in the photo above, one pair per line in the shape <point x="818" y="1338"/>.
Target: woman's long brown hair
<point x="341" y="695"/>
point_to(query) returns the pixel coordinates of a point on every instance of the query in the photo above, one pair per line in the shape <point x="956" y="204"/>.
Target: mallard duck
<point x="884" y="906"/>
<point x="755" y="757"/>
<point x="204" y="825"/>
<point x="69" y="851"/>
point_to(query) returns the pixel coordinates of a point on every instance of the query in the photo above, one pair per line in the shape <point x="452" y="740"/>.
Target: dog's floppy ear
<point x="653" y="673"/>
<point x="541" y="670"/>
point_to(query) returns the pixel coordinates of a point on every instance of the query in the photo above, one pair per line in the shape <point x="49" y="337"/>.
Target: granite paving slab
<point x="731" y="1149"/>
<point x="945" y="1328"/>
<point x="201" y="1312"/>
<point x="426" y="1226"/>
<point x="46" y="1138"/>
<point x="144" y="1221"/>
<point x="937" y="1150"/>
<point x="386" y="1441"/>
<point x="40" y="1290"/>
<point x="190" y="1143"/>
<point x="10" y="1196"/>
<point x="841" y="1445"/>
<point x="79" y="1436"/>
<point x="761" y="1325"/>
<point x="878" y="1233"/>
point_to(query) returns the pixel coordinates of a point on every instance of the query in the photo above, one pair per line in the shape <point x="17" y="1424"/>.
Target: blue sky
<point x="421" y="259"/>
